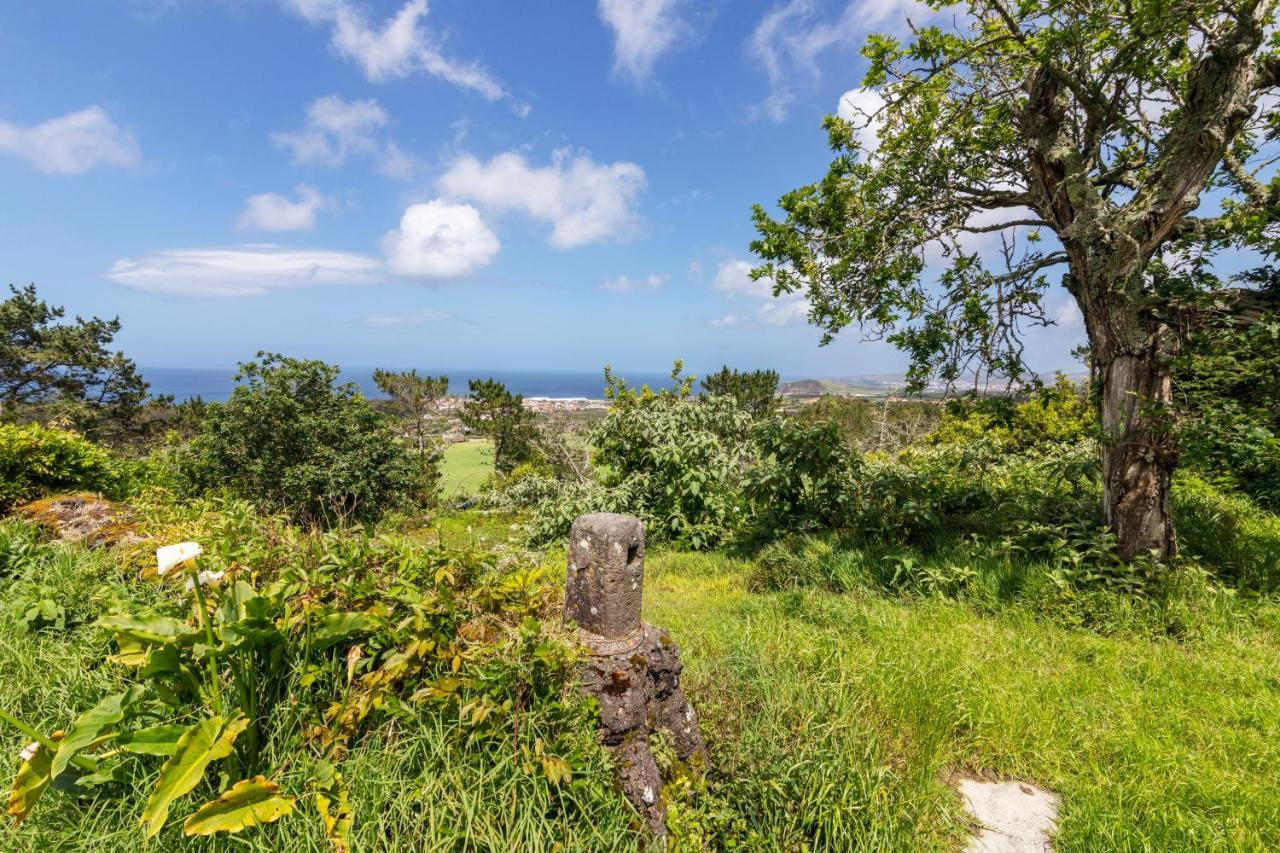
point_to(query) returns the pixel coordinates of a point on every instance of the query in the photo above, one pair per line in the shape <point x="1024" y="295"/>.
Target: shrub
<point x="804" y="478"/>
<point x="865" y="425"/>
<point x="1228" y="532"/>
<point x="291" y="439"/>
<point x="36" y="461"/>
<point x="680" y="458"/>
<point x="1052" y="414"/>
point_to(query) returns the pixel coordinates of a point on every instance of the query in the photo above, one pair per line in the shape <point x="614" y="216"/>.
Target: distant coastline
<point x="214" y="384"/>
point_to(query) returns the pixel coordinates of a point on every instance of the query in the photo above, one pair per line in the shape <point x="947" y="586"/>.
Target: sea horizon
<point x="214" y="384"/>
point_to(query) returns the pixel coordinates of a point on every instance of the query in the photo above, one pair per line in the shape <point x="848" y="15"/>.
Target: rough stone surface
<point x="1016" y="817"/>
<point x="604" y="584"/>
<point x="634" y="668"/>
<point x="82" y="517"/>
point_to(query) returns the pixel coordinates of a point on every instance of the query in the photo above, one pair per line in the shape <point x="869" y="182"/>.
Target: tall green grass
<point x="837" y="719"/>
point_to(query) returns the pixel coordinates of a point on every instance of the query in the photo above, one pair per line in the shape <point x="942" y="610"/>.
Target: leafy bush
<point x="804" y="478"/>
<point x="1227" y="391"/>
<point x="36" y="461"/>
<point x="291" y="439"/>
<point x="680" y="458"/>
<point x="1054" y="414"/>
<point x="1228" y="532"/>
<point x="867" y="425"/>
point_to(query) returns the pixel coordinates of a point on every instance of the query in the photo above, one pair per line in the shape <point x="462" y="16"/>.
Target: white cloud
<point x="273" y="212"/>
<point x="626" y="284"/>
<point x="728" y="321"/>
<point x="411" y="319"/>
<point x="337" y="129"/>
<point x="789" y="40"/>
<point x="862" y="108"/>
<point x="249" y="270"/>
<point x="71" y="144"/>
<point x="439" y="240"/>
<point x="733" y="278"/>
<point x="584" y="201"/>
<point x="398" y="48"/>
<point x="642" y="31"/>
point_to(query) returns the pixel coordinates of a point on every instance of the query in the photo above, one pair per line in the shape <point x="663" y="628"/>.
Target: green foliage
<point x="65" y="371"/>
<point x="274" y="654"/>
<point x="414" y="399"/>
<point x="1055" y="414"/>
<point x="756" y="391"/>
<point x="866" y="425"/>
<point x="35" y="461"/>
<point x="1227" y="391"/>
<point x="1228" y="532"/>
<point x="290" y="438"/>
<point x="805" y="479"/>
<point x="679" y="457"/>
<point x="494" y="411"/>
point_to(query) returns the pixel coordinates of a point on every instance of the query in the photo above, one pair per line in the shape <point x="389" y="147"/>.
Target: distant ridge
<point x="880" y="385"/>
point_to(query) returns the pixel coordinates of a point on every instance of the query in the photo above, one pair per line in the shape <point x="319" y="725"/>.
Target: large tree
<point x="414" y="398"/>
<point x="494" y="411"/>
<point x="1018" y="140"/>
<point x="65" y="370"/>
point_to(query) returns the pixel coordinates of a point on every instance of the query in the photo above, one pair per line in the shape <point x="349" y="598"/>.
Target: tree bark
<point x="1139" y="450"/>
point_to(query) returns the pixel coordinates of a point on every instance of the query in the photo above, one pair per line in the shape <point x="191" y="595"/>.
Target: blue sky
<point x="444" y="185"/>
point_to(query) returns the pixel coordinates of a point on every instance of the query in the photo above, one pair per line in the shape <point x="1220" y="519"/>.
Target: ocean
<point x="216" y="384"/>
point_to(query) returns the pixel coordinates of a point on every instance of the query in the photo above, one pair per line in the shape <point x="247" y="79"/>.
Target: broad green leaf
<point x="204" y="742"/>
<point x="90" y="725"/>
<point x="250" y="802"/>
<point x="337" y="627"/>
<point x="33" y="777"/>
<point x="333" y="804"/>
<point x="145" y="629"/>
<point x="157" y="740"/>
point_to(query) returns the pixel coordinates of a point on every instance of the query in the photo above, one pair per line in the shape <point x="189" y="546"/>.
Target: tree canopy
<point x="69" y="366"/>
<point x="1021" y="139"/>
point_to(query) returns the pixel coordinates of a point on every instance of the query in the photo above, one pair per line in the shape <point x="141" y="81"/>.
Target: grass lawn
<point x="840" y="717"/>
<point x="466" y="466"/>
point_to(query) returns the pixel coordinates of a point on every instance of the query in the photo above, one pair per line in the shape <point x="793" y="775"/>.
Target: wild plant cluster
<point x="252" y="657"/>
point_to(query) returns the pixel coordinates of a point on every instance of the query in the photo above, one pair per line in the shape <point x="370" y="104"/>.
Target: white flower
<point x="205" y="578"/>
<point x="170" y="557"/>
<point x="29" y="751"/>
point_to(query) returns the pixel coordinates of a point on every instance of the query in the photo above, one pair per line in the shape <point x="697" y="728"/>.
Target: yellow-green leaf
<point x="90" y="725"/>
<point x="250" y="802"/>
<point x="157" y="740"/>
<point x="33" y="777"/>
<point x="202" y="743"/>
<point x="334" y="805"/>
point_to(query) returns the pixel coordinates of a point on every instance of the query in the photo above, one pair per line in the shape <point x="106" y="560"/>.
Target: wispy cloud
<point x="70" y="144"/>
<point x="399" y="46"/>
<point x="409" y="319"/>
<point x="626" y="284"/>
<point x="733" y="278"/>
<point x="337" y="130"/>
<point x="250" y="270"/>
<point x="642" y="31"/>
<point x="790" y="38"/>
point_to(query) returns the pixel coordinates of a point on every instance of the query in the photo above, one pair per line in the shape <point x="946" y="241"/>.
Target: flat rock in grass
<point x="1016" y="817"/>
<point x="82" y="517"/>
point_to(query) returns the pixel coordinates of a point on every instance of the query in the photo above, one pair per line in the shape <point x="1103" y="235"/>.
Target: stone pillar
<point x="634" y="668"/>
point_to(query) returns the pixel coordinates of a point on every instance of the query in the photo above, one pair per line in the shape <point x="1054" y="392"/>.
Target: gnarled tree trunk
<point x="1139" y="454"/>
<point x="1140" y="451"/>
